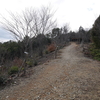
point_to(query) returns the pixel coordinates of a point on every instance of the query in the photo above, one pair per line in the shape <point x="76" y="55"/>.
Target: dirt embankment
<point x="69" y="77"/>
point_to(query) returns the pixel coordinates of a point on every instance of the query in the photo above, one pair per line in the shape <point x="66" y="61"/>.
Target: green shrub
<point x="95" y="52"/>
<point x="2" y="80"/>
<point x="29" y="63"/>
<point x="46" y="52"/>
<point x="13" y="70"/>
<point x="95" y="33"/>
<point x="35" y="63"/>
<point x="41" y="53"/>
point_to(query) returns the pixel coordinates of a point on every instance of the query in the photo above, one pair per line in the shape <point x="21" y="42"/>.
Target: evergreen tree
<point x="95" y="32"/>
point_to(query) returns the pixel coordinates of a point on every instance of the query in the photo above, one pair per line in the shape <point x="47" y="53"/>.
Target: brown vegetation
<point x="51" y="48"/>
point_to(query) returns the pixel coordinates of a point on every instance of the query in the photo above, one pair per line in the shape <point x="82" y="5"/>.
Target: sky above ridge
<point x="74" y="12"/>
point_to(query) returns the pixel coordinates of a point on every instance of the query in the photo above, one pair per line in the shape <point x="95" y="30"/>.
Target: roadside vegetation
<point x="36" y="36"/>
<point x="95" y="33"/>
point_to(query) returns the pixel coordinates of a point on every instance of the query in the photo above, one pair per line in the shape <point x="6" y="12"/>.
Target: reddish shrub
<point x="51" y="48"/>
<point x="18" y="62"/>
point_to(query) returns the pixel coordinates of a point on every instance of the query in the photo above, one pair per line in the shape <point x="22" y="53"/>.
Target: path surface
<point x="69" y="77"/>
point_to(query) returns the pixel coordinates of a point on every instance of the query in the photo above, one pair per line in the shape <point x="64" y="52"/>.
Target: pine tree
<point x="96" y="33"/>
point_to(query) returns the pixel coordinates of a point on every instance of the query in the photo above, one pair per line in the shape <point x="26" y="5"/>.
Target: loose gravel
<point x="69" y="77"/>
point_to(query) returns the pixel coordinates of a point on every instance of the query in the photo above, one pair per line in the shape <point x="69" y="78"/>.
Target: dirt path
<point x="69" y="77"/>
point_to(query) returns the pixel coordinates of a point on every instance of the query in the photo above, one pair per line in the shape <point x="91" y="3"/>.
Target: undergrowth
<point x="13" y="70"/>
<point x="95" y="52"/>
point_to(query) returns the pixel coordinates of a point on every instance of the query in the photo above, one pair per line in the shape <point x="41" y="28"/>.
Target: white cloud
<point x="75" y="12"/>
<point x="5" y="36"/>
<point x="78" y="12"/>
<point x="4" y="39"/>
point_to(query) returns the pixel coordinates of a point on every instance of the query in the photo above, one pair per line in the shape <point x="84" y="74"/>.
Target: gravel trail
<point x="69" y="77"/>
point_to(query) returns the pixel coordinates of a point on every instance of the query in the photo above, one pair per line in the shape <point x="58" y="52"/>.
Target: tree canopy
<point x="95" y="32"/>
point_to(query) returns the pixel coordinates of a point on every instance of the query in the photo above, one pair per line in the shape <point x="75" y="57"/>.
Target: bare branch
<point x="29" y="23"/>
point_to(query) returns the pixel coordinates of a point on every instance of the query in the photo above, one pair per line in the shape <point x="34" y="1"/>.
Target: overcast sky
<point x="74" y="12"/>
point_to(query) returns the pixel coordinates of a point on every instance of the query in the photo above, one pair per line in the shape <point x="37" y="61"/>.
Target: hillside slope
<point x="69" y="77"/>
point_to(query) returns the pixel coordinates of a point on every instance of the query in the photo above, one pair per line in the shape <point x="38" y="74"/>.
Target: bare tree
<point x="47" y="22"/>
<point x="29" y="23"/>
<point x="65" y="28"/>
